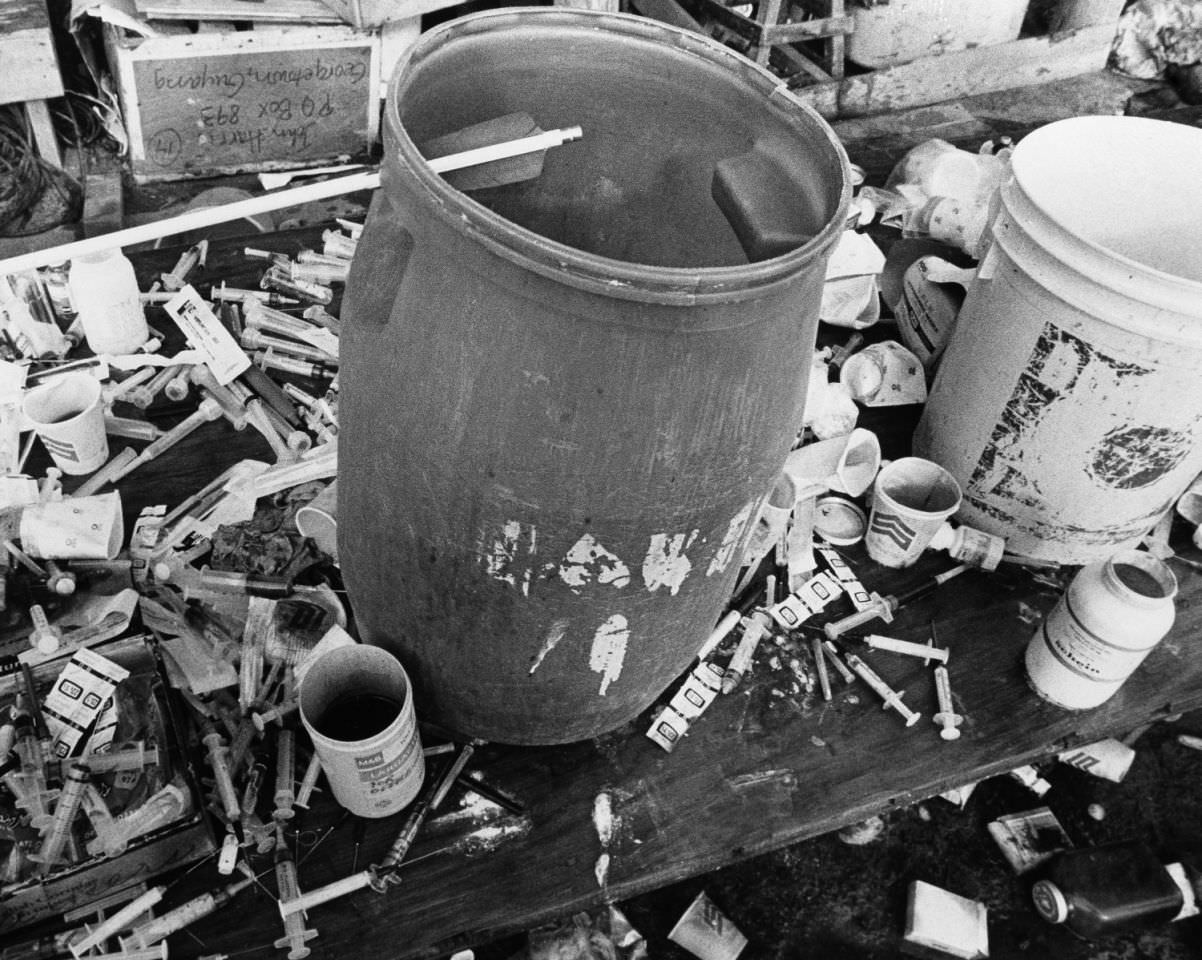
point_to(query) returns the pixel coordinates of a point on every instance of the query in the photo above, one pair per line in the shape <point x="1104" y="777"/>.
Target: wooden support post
<point x="43" y="131"/>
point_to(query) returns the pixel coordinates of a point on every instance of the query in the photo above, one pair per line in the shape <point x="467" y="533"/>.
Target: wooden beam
<point x="42" y="128"/>
<point x="28" y="62"/>
<point x="1002" y="66"/>
<point x="808" y="30"/>
<point x="264" y="11"/>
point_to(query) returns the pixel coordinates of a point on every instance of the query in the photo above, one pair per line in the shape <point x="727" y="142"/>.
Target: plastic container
<point x="564" y="400"/>
<point x="1112" y="615"/>
<point x="1067" y="401"/>
<point x="105" y="292"/>
<point x="1106" y="891"/>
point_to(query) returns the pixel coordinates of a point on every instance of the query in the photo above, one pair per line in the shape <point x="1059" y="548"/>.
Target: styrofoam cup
<point x="318" y="520"/>
<point x="910" y="500"/>
<point x="77" y="528"/>
<point x="381" y="773"/>
<point x="68" y="415"/>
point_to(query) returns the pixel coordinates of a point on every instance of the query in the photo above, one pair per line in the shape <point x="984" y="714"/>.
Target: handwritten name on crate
<point x="210" y="104"/>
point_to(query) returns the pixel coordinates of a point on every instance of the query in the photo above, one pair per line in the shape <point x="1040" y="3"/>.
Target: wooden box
<point x="205" y="104"/>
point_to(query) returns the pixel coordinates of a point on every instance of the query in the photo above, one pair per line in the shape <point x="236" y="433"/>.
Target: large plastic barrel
<point x="1068" y="403"/>
<point x="564" y="399"/>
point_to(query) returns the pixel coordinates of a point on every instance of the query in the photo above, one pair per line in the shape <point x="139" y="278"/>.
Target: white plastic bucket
<point x="1068" y="404"/>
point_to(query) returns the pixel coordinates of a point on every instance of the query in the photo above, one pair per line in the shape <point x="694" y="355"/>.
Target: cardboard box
<point x="185" y="841"/>
<point x="200" y="105"/>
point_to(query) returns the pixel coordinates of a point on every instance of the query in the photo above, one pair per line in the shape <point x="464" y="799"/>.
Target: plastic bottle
<point x="105" y="292"/>
<point x="1110" y="890"/>
<point x="969" y="545"/>
<point x="1112" y="615"/>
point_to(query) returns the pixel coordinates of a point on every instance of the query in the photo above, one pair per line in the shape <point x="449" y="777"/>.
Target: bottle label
<point x="1083" y="652"/>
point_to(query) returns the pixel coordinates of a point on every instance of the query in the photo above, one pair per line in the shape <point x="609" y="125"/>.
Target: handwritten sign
<point x="248" y="104"/>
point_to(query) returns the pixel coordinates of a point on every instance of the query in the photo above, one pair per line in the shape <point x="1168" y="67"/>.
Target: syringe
<point x="285" y="776"/>
<point x="159" y="928"/>
<point x="69" y="799"/>
<point x="160" y="809"/>
<point x="309" y="782"/>
<point x="288" y="889"/>
<point x="121" y="920"/>
<point x="219" y="761"/>
<point x="884" y="608"/>
<point x="33" y="796"/>
<point x="134" y="755"/>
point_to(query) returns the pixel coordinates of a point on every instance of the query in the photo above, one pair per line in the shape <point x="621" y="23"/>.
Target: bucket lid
<point x="1099" y="194"/>
<point x="571" y="265"/>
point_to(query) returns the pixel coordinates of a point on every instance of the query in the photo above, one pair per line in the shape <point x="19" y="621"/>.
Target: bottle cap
<point x="1049" y="901"/>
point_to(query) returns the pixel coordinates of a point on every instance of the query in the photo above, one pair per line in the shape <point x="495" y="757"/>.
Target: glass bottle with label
<point x="1110" y="890"/>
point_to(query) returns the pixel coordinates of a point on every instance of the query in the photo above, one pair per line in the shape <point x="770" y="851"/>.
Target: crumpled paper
<point x="1155" y="34"/>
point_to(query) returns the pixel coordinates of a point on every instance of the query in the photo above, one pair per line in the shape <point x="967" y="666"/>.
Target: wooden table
<point x="765" y="767"/>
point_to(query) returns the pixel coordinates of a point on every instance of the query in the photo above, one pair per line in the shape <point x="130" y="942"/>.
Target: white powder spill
<point x="603" y="818"/>
<point x="609" y="650"/>
<point x="665" y="564"/>
<point x="601" y="869"/>
<point x="488" y="838"/>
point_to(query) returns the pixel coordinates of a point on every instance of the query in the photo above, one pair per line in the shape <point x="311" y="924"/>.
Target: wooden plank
<point x="208" y="104"/>
<point x="311" y="12"/>
<point x="42" y="128"/>
<point x="28" y="62"/>
<point x="1003" y="66"/>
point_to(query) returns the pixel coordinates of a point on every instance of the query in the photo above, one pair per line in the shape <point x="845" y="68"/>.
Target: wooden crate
<point x="204" y="104"/>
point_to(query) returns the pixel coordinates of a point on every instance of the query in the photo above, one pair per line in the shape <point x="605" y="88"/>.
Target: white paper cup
<point x="318" y="520"/>
<point x="910" y="500"/>
<point x="77" y="528"/>
<point x="68" y="415"/>
<point x="357" y="704"/>
<point x="884" y="374"/>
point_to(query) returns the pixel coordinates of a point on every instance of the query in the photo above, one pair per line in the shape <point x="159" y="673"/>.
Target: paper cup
<point x="357" y="704"/>
<point x="78" y="528"/>
<point x="884" y="375"/>
<point x="911" y="499"/>
<point x="318" y="520"/>
<point x="68" y="415"/>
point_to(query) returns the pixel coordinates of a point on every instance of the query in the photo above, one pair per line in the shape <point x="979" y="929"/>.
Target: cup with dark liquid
<point x="357" y="704"/>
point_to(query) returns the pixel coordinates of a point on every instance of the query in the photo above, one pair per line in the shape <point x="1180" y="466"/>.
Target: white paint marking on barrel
<point x="739" y="524"/>
<point x="609" y="650"/>
<point x="666" y="564"/>
<point x="517" y="540"/>
<point x="554" y="635"/>
<point x="587" y="559"/>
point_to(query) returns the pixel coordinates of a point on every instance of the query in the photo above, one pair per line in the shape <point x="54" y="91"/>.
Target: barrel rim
<point x="571" y="265"/>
